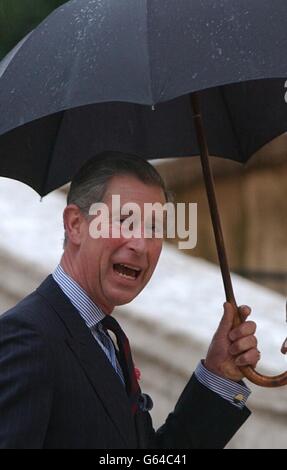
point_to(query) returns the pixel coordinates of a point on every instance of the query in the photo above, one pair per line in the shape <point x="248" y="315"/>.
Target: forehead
<point x="131" y="189"/>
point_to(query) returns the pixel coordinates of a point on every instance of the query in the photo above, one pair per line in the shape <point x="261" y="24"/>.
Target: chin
<point x="118" y="296"/>
<point x="123" y="299"/>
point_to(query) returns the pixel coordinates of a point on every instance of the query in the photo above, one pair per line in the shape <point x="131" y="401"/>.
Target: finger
<point x="245" y="311"/>
<point x="249" y="358"/>
<point x="284" y="348"/>
<point x="246" y="329"/>
<point x="243" y="345"/>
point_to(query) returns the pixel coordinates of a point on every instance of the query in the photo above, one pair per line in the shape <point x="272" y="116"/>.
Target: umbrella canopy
<point x="19" y="17"/>
<point x="71" y="88"/>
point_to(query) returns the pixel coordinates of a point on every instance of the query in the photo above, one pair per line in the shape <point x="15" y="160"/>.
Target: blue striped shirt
<point x="235" y="393"/>
<point x="91" y="314"/>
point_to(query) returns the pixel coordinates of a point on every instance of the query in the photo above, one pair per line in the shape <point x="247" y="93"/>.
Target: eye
<point x="119" y="220"/>
<point x="123" y="218"/>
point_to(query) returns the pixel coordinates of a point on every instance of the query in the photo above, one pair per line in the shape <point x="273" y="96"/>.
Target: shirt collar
<point x="88" y="310"/>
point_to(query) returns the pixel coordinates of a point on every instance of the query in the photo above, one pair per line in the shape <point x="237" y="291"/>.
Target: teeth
<point x="125" y="275"/>
<point x="131" y="267"/>
<point x="127" y="271"/>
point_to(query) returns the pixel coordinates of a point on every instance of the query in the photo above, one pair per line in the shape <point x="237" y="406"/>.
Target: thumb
<point x="226" y="323"/>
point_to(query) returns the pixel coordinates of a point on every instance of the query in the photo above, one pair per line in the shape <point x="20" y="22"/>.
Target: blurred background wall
<point x="253" y="203"/>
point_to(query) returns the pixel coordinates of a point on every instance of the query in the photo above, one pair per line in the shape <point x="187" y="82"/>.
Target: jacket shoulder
<point x="31" y="313"/>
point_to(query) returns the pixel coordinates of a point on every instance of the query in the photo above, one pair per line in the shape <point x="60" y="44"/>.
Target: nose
<point x="138" y="245"/>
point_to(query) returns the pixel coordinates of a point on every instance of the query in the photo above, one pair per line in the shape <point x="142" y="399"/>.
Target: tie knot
<point x="110" y="323"/>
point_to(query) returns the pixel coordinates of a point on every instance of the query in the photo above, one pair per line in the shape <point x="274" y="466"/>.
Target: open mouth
<point x="127" y="271"/>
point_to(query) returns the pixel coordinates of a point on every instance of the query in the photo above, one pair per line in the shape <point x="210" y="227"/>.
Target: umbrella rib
<point x="148" y="53"/>
<point x="50" y="159"/>
<point x="235" y="133"/>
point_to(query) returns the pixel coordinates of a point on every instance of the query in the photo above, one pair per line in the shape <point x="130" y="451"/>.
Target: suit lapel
<point x="93" y="360"/>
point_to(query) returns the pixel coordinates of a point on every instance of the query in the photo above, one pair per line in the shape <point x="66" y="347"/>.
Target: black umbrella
<point x="73" y="88"/>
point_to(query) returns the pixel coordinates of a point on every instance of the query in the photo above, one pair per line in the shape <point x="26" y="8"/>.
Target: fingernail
<point x="245" y="307"/>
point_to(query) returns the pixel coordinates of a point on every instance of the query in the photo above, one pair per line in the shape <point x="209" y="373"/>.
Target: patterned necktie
<point x="108" y="346"/>
<point x="126" y="361"/>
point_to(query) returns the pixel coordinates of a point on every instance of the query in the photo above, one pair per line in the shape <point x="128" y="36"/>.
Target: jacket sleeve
<point x="201" y="420"/>
<point x="25" y="386"/>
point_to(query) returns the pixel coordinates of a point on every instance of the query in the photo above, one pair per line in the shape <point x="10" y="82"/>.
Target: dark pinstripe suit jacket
<point x="58" y="389"/>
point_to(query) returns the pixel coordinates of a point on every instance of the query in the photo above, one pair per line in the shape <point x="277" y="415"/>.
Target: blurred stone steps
<point x="169" y="325"/>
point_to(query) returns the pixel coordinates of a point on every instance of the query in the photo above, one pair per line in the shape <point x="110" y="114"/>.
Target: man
<point x="64" y="383"/>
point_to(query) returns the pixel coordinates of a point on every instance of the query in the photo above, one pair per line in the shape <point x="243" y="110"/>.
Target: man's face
<point x="116" y="270"/>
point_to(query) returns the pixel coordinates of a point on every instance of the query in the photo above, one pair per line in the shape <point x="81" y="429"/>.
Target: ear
<point x="73" y="224"/>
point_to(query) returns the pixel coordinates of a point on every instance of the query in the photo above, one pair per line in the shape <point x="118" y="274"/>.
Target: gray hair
<point x="90" y="184"/>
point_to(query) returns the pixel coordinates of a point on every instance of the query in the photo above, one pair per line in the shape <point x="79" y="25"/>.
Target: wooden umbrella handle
<point x="249" y="372"/>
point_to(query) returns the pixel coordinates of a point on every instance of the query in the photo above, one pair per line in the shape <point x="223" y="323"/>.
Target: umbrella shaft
<point x="210" y="189"/>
